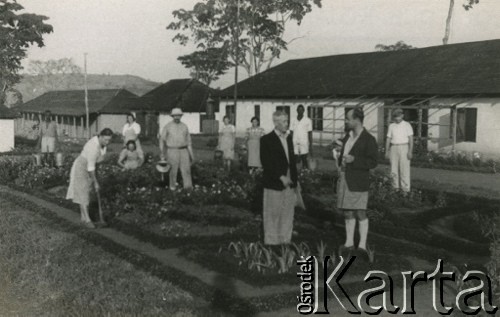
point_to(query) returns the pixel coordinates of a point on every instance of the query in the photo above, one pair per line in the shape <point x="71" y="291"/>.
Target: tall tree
<point x="469" y="4"/>
<point x="399" y="46"/>
<point x="207" y="65"/>
<point x="448" y="22"/>
<point x="258" y="33"/>
<point x="61" y="66"/>
<point x="18" y="31"/>
<point x="55" y="74"/>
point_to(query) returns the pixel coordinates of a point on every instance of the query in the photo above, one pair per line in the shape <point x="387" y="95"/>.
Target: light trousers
<point x="179" y="159"/>
<point x="279" y="209"/>
<point x="400" y="167"/>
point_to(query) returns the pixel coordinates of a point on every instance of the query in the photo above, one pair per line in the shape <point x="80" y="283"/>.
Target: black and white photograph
<point x="249" y="158"/>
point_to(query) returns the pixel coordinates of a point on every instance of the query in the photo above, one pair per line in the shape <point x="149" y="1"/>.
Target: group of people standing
<point x="227" y="143"/>
<point x="277" y="153"/>
<point x="358" y="154"/>
<point x="355" y="154"/>
<point x="300" y="127"/>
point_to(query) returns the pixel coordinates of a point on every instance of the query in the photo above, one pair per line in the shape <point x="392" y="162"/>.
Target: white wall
<point x="113" y="121"/>
<point x="191" y="119"/>
<point x="7" y="133"/>
<point x="331" y="129"/>
<point x="487" y="126"/>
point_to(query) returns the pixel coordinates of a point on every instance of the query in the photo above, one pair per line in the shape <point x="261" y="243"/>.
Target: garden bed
<point x="224" y="208"/>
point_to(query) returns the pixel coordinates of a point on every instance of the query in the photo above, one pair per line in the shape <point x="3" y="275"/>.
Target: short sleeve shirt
<point x="48" y="130"/>
<point x="135" y="127"/>
<point x="399" y="132"/>
<point x="301" y="129"/>
<point x="93" y="153"/>
<point x="176" y="134"/>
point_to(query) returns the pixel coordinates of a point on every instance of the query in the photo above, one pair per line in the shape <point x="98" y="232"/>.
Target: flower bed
<point x="138" y="203"/>
<point x="449" y="160"/>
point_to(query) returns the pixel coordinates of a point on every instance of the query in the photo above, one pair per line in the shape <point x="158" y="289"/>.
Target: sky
<point x="130" y="36"/>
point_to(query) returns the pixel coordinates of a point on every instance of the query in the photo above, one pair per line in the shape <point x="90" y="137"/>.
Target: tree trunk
<point x="448" y="23"/>
<point x="3" y="93"/>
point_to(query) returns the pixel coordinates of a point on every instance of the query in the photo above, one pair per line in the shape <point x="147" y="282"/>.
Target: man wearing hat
<point x="179" y="152"/>
<point x="399" y="149"/>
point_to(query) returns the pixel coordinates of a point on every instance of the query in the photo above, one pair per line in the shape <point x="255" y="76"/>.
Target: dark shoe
<point x="366" y="255"/>
<point x="346" y="252"/>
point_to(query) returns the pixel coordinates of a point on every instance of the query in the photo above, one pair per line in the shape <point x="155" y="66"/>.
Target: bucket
<point x="59" y="159"/>
<point x="38" y="159"/>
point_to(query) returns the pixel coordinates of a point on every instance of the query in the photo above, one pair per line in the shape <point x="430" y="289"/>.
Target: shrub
<point x="11" y="166"/>
<point x="383" y="195"/>
<point x="43" y="177"/>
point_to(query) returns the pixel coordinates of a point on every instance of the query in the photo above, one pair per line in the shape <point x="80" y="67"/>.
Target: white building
<point x="7" y="117"/>
<point x="190" y="95"/>
<point x="108" y="108"/>
<point x="450" y="94"/>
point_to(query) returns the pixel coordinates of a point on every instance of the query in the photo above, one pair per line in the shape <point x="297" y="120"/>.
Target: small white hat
<point x="176" y="112"/>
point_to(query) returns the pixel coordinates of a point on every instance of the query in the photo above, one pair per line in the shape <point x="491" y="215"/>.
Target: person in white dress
<point x="253" y="144"/>
<point x="131" y="131"/>
<point x="83" y="173"/>
<point x="227" y="139"/>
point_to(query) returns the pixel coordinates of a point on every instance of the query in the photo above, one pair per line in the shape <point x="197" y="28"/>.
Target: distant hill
<point x="33" y="86"/>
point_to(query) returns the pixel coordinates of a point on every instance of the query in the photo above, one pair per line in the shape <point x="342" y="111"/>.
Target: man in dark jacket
<point x="358" y="155"/>
<point x="279" y="180"/>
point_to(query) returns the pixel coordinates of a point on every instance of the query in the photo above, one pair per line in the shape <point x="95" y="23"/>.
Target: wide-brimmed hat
<point x="397" y="113"/>
<point x="176" y="112"/>
<point x="163" y="166"/>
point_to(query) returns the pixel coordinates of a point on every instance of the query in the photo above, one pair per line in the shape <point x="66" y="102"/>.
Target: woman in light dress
<point x="131" y="131"/>
<point x="227" y="138"/>
<point x="254" y="134"/>
<point x="130" y="157"/>
<point x="83" y="173"/>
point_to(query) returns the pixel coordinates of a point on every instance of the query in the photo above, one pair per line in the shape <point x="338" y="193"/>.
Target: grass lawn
<point x="62" y="275"/>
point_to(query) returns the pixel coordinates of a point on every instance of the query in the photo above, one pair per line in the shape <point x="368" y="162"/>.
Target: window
<point x="256" y="111"/>
<point x="230" y="112"/>
<point x="285" y="109"/>
<point x="316" y="116"/>
<point x="466" y="124"/>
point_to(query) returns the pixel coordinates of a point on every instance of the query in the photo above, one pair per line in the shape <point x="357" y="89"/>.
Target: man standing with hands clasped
<point x="175" y="135"/>
<point x="399" y="149"/>
<point x="357" y="156"/>
<point x="279" y="180"/>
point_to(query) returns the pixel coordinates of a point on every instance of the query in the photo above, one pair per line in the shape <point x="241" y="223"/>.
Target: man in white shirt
<point x="302" y="136"/>
<point x="399" y="149"/>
